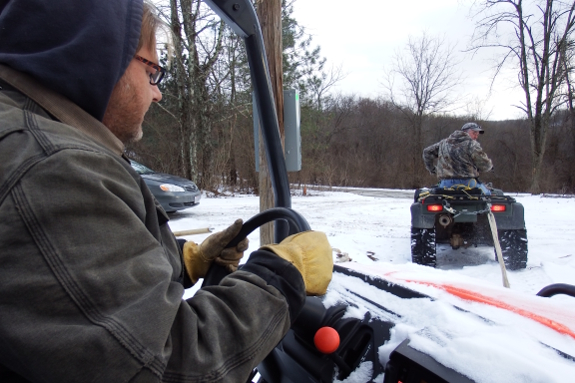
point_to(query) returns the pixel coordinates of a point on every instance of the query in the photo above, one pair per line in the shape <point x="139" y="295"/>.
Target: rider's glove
<point x="311" y="254"/>
<point x="198" y="258"/>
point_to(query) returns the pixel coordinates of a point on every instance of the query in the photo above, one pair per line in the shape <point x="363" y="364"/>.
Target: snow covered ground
<point x="373" y="227"/>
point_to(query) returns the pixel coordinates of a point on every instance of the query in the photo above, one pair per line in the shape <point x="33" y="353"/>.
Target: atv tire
<point x="423" y="246"/>
<point x="513" y="248"/>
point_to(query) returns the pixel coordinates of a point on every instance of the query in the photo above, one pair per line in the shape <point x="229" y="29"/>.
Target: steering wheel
<point x="297" y="223"/>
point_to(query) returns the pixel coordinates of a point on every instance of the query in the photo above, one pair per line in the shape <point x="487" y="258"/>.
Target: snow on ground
<point x="358" y="224"/>
<point x="376" y="222"/>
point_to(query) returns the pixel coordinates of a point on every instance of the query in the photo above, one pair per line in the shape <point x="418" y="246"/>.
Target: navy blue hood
<point x="78" y="48"/>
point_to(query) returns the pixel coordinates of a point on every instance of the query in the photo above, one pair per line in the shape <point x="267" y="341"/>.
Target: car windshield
<point x="141" y="169"/>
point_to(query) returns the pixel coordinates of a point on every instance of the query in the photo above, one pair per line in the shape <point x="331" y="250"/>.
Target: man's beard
<point x="125" y="114"/>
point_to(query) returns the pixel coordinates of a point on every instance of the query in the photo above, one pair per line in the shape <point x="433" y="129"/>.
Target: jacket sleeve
<point x="479" y="158"/>
<point x="92" y="286"/>
<point x="430" y="154"/>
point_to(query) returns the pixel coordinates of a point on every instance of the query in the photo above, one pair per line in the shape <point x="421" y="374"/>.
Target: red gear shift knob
<point x="326" y="340"/>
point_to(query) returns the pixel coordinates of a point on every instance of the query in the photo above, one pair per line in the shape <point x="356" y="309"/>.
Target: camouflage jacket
<point x="458" y="156"/>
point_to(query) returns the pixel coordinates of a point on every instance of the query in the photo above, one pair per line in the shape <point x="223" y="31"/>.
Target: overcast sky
<point x="363" y="35"/>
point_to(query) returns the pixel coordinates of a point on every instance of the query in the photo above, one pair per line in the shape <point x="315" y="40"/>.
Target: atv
<point x="458" y="216"/>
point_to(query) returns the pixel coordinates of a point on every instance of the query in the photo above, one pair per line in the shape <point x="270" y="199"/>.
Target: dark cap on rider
<point x="472" y="126"/>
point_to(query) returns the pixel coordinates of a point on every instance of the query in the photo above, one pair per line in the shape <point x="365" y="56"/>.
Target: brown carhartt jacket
<point x="91" y="277"/>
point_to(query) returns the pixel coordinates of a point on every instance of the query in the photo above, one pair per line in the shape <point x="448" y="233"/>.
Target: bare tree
<point x="476" y="109"/>
<point x="568" y="61"/>
<point x="320" y="84"/>
<point x="421" y="83"/>
<point x="194" y="59"/>
<point x="534" y="35"/>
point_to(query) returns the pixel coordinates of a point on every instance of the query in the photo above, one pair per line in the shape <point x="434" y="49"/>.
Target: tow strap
<point x="497" y="245"/>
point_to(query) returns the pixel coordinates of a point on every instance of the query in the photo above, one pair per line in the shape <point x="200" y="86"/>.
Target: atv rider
<point x="92" y="277"/>
<point x="459" y="158"/>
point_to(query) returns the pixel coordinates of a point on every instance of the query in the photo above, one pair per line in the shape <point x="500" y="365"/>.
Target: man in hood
<point x="92" y="277"/>
<point x="458" y="159"/>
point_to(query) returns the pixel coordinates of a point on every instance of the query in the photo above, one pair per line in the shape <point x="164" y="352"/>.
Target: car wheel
<point x="513" y="248"/>
<point x="423" y="246"/>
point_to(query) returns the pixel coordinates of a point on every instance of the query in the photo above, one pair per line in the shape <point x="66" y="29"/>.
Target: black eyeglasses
<point x="156" y="77"/>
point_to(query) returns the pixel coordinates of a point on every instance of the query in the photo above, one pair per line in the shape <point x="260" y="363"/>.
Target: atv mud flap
<point x="419" y="218"/>
<point x="514" y="219"/>
<point x="365" y="328"/>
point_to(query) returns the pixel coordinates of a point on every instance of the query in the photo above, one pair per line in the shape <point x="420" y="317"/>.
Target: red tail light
<point x="498" y="208"/>
<point x="434" y="208"/>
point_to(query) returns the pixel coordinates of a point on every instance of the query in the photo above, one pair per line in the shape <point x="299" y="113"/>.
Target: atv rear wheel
<point x="513" y="248"/>
<point x="423" y="246"/>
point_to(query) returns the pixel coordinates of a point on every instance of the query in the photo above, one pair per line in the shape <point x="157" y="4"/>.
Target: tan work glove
<point x="310" y="253"/>
<point x="199" y="258"/>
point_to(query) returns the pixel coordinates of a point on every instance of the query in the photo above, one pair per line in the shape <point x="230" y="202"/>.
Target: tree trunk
<point x="269" y="14"/>
<point x="538" y="142"/>
<point x="418" y="142"/>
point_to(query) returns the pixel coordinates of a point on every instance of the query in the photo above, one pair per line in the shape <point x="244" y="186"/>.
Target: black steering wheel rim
<point x="297" y="223"/>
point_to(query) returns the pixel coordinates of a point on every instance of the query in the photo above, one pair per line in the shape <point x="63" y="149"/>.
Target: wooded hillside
<point x="203" y="129"/>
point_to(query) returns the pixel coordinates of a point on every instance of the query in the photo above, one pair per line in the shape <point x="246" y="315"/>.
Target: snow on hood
<point x="482" y="341"/>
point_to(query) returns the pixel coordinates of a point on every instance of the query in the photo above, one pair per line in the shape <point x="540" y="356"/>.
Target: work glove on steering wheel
<point x="199" y="258"/>
<point x="310" y="252"/>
